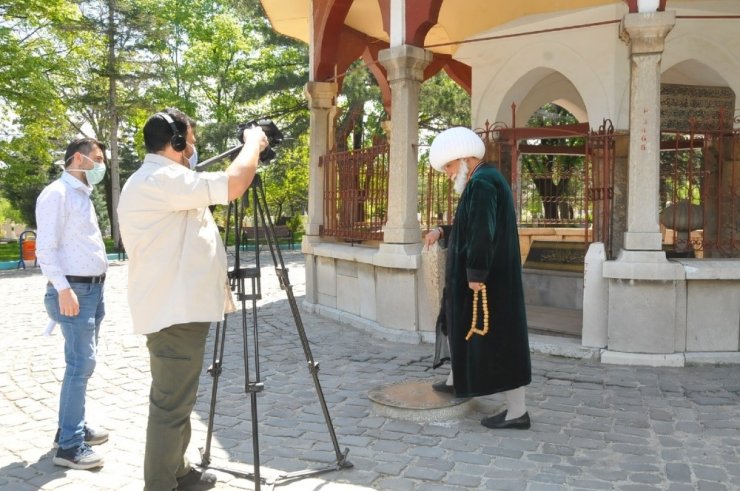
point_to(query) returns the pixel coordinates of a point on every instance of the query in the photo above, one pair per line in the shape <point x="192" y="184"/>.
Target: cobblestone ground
<point x="594" y="426"/>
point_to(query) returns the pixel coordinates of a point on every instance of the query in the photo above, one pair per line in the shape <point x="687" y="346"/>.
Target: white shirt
<point x="68" y="239"/>
<point x="177" y="262"/>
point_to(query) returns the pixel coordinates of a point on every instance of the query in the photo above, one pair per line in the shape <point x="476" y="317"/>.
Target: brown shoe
<point x="499" y="422"/>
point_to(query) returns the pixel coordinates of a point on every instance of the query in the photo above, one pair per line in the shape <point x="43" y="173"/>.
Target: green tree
<point x="116" y="41"/>
<point x="101" y="67"/>
<point x="239" y="70"/>
<point x="30" y="57"/>
<point x="360" y="108"/>
<point x="70" y="58"/>
<point x="553" y="175"/>
<point x="285" y="180"/>
<point x="442" y="104"/>
<point x="25" y="172"/>
<point x="8" y="213"/>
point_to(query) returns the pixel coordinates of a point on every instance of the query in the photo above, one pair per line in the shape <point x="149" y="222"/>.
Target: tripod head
<point x="272" y="132"/>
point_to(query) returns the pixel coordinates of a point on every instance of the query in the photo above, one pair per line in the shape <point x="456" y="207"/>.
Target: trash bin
<point x="27" y="249"/>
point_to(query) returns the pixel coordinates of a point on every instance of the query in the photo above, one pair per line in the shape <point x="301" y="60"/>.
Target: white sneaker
<point x="81" y="457"/>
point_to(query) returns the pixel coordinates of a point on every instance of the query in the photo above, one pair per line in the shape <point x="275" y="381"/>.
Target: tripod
<point x="239" y="277"/>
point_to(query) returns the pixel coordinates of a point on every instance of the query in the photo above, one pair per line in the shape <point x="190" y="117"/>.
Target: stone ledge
<point x="562" y="346"/>
<point x="395" y="256"/>
<point x="710" y="269"/>
<point x="639" y="266"/>
<point x="643" y="359"/>
<point x="713" y="358"/>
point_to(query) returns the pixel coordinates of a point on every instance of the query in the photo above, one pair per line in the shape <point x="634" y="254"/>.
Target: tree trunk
<point x="550" y="194"/>
<point x="113" y="111"/>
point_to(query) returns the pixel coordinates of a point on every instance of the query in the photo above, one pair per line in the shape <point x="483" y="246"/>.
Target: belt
<point x="86" y="279"/>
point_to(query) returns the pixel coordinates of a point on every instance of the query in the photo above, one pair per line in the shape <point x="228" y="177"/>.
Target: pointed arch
<point x="520" y="75"/>
<point x="328" y="22"/>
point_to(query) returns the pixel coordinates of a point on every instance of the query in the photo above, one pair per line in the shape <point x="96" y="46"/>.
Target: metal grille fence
<point x="437" y="200"/>
<point x="575" y="194"/>
<point x="700" y="188"/>
<point x="356" y="193"/>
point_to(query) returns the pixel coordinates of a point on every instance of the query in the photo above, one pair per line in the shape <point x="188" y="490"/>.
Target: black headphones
<point x="177" y="141"/>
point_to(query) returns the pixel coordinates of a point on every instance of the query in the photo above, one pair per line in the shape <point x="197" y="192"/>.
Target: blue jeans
<point x="80" y="350"/>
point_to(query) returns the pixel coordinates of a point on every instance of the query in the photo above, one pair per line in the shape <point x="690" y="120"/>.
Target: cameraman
<point x="177" y="280"/>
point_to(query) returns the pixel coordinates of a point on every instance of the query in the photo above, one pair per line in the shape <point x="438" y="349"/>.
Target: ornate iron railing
<point x="356" y="193"/>
<point x="356" y="187"/>
<point x="437" y="200"/>
<point x="700" y="188"/>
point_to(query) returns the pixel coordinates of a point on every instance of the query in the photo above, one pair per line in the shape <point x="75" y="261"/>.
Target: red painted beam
<point x="337" y="46"/>
<point x="420" y="19"/>
<point x="546" y="132"/>
<point x="554" y="150"/>
<point x="461" y="73"/>
<point x="328" y="19"/>
<point x="421" y="16"/>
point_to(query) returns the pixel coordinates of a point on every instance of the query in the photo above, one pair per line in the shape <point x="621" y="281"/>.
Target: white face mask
<point x="461" y="178"/>
<point x="94" y="175"/>
<point x="193" y="159"/>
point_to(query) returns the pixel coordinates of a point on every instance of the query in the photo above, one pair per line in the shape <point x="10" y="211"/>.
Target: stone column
<point x="646" y="306"/>
<point x="621" y="193"/>
<point x="322" y="104"/>
<point x="405" y="65"/>
<point x="646" y="35"/>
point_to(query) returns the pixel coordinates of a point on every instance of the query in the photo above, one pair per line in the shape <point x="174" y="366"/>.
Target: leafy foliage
<point x="101" y="67"/>
<point x="286" y="180"/>
<point x="442" y="104"/>
<point x="360" y="109"/>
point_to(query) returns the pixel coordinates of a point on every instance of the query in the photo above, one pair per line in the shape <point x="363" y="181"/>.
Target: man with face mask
<point x="71" y="253"/>
<point x="483" y="315"/>
<point x="173" y="243"/>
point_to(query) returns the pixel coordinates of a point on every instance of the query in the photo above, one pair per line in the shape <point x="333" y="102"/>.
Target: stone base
<point x="642" y="359"/>
<point x="416" y="401"/>
<point x="716" y="358"/>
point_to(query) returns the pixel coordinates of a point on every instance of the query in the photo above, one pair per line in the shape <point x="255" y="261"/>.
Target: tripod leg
<point x="215" y="371"/>
<point x="282" y="274"/>
<point x="252" y="387"/>
<point x="238" y="275"/>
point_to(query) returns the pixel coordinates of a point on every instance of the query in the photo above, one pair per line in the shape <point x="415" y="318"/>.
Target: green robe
<point x="483" y="246"/>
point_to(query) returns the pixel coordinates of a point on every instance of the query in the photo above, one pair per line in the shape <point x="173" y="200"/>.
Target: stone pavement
<point x="594" y="426"/>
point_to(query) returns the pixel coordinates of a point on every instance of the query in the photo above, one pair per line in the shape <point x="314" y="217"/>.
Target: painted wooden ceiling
<point x="457" y="19"/>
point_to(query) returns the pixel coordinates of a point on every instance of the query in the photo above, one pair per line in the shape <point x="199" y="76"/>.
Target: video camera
<point x="273" y="134"/>
<point x="274" y="138"/>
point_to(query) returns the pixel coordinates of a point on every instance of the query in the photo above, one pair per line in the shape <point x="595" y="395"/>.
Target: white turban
<point x="455" y="143"/>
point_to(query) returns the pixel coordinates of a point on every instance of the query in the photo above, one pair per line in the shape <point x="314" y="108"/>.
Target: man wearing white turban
<point x="483" y="315"/>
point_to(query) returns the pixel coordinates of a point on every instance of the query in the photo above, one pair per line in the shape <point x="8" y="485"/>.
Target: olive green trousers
<point x="176" y="360"/>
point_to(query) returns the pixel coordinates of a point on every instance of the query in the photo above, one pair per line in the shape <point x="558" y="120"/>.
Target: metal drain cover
<point x="416" y="401"/>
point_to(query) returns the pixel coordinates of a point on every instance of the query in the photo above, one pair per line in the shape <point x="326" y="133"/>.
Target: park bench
<point x="249" y="234"/>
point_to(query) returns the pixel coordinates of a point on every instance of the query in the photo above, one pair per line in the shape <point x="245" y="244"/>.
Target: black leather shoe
<point x="443" y="387"/>
<point x="499" y="422"/>
<point x="196" y="480"/>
